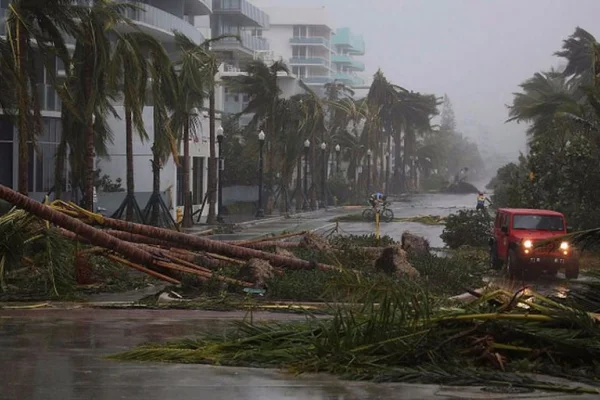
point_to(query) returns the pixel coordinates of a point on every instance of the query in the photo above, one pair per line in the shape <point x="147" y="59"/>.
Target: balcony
<point x="197" y="7"/>
<point x="249" y="44"/>
<point x="354" y="44"/>
<point x="348" y="79"/>
<point x="320" y="61"/>
<point x="316" y="80"/>
<point x="241" y="12"/>
<point x="348" y="61"/>
<point x="154" y="19"/>
<point x="310" y="41"/>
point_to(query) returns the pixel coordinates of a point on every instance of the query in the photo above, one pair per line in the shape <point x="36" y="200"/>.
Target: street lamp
<point x="220" y="181"/>
<point x="261" y="140"/>
<point x="387" y="171"/>
<point x="369" y="154"/>
<point x="306" y="148"/>
<point x="324" y="178"/>
<point x="337" y="152"/>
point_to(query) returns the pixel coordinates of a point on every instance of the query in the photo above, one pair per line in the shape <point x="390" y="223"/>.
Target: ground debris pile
<point x="402" y="333"/>
<point x="67" y="247"/>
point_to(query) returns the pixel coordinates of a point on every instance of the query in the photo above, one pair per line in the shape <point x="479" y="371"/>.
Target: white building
<point x="301" y="37"/>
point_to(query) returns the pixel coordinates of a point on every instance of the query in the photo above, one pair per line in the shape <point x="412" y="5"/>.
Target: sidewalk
<point x="245" y="221"/>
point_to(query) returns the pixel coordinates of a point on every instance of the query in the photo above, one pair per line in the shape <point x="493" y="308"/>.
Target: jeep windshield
<point x="538" y="222"/>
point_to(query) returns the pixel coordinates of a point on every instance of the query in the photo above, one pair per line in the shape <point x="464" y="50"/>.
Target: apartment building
<point x="302" y="38"/>
<point x="346" y="68"/>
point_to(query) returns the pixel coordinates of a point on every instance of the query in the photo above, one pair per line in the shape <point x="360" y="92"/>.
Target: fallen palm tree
<point x="158" y="252"/>
<point x="403" y="334"/>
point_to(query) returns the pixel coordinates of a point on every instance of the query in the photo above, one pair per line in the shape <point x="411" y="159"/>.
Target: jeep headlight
<point x="564" y="246"/>
<point x="527" y="244"/>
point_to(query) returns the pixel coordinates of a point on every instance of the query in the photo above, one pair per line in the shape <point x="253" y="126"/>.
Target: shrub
<point x="467" y="228"/>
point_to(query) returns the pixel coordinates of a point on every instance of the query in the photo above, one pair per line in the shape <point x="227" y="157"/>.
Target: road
<point x="58" y="354"/>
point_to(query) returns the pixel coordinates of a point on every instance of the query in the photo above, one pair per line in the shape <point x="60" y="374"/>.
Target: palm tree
<point x="261" y="86"/>
<point x="35" y="31"/>
<point x="129" y="73"/>
<point x="91" y="64"/>
<point x="197" y="68"/>
<point x="163" y="89"/>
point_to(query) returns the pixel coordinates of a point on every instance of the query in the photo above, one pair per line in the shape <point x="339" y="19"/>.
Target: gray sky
<point x="476" y="51"/>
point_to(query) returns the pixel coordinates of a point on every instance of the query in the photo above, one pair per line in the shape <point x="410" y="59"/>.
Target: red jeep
<point x="516" y="232"/>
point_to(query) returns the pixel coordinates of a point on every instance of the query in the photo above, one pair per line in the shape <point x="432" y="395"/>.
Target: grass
<point x="404" y="333"/>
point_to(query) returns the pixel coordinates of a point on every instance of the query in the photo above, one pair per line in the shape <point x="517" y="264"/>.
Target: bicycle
<point x="385" y="214"/>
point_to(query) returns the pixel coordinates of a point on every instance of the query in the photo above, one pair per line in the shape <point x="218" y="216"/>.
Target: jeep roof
<point x="534" y="211"/>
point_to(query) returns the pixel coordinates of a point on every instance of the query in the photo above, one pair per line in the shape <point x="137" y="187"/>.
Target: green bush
<point x="467" y="228"/>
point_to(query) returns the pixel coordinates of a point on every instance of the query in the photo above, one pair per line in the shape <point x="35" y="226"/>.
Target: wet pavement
<point x="59" y="354"/>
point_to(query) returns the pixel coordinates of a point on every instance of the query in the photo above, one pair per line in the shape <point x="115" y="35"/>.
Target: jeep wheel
<point x="495" y="262"/>
<point x="513" y="269"/>
<point x="572" y="271"/>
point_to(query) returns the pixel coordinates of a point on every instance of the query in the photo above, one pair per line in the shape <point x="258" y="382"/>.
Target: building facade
<point x="301" y="37"/>
<point x="346" y="66"/>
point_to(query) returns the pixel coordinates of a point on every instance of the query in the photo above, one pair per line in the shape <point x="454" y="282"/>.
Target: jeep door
<point x="502" y="222"/>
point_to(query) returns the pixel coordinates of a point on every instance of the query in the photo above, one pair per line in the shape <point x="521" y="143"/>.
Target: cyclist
<point x="376" y="199"/>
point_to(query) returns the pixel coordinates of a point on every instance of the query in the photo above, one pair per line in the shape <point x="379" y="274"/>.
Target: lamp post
<point x="306" y="148"/>
<point x="387" y="171"/>
<point x="220" y="181"/>
<point x="369" y="154"/>
<point x="261" y="140"/>
<point x="324" y="179"/>
<point x="337" y="158"/>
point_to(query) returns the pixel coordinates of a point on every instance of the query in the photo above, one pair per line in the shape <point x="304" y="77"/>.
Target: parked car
<point x="522" y="242"/>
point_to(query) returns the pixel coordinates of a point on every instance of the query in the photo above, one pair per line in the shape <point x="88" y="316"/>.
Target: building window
<point x="300" y="31"/>
<point x="299" y="52"/>
<point x="42" y="161"/>
<point x="300" y="72"/>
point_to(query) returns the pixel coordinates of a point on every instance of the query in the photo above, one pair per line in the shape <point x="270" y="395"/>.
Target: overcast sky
<point x="476" y="51"/>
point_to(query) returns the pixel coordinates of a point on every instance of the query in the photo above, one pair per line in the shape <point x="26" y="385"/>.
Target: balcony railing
<point x="253" y="14"/>
<point x="309" y="61"/>
<point x="249" y="42"/>
<point x="316" y="80"/>
<point x="351" y="80"/>
<point x="313" y="40"/>
<point x="155" y="17"/>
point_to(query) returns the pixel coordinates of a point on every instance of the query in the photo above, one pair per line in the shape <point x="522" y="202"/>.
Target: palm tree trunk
<point x="398" y="164"/>
<point x="129" y="161"/>
<point x="95" y="236"/>
<point x="212" y="168"/>
<point x="187" y="200"/>
<point x="198" y="243"/>
<point x="88" y="195"/>
<point x="299" y="199"/>
<point x="23" y="93"/>
<point x="59" y="168"/>
<point x="155" y="212"/>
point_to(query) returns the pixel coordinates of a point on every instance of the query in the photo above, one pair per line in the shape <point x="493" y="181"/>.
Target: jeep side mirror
<point x="569" y="229"/>
<point x="504" y="229"/>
